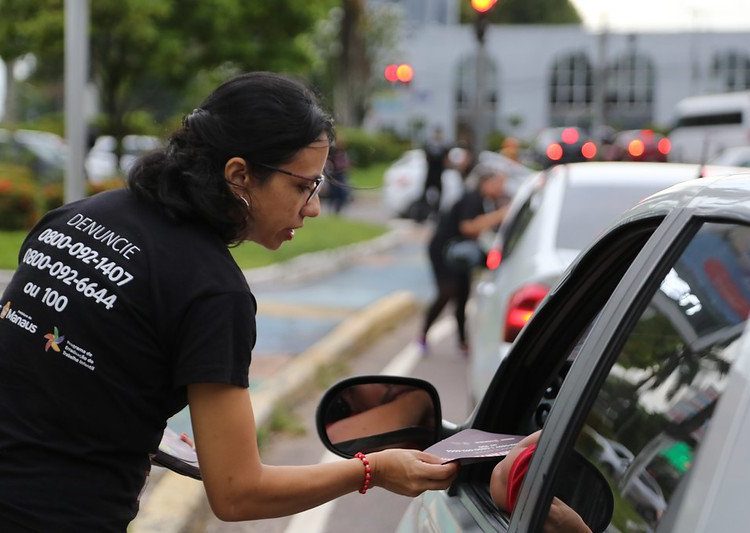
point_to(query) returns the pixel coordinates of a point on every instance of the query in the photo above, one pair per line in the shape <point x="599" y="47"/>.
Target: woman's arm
<point x="240" y="487"/>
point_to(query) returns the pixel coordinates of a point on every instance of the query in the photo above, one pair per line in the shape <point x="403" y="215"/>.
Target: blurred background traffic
<point x="541" y="82"/>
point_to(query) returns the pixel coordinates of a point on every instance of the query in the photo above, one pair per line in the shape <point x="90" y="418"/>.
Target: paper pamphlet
<point x="472" y="445"/>
<point x="177" y="455"/>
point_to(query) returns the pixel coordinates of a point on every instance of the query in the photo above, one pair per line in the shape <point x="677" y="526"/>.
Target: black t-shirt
<point x="113" y="310"/>
<point x="469" y="206"/>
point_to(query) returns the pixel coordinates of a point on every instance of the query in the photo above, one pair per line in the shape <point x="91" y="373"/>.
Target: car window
<point x="657" y="401"/>
<point x="520" y="223"/>
<point x="588" y="209"/>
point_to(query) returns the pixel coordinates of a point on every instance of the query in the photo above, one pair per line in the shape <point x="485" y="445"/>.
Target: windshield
<point x="589" y="208"/>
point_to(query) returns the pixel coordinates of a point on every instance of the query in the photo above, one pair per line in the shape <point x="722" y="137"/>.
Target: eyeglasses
<point x="317" y="182"/>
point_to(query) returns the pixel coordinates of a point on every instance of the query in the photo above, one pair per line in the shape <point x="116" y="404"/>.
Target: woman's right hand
<point x="410" y="472"/>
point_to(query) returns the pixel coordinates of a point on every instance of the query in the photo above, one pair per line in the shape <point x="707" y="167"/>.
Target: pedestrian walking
<point x="127" y="306"/>
<point x="479" y="209"/>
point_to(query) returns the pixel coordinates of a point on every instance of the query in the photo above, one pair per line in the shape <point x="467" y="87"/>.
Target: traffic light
<point x="482" y="7"/>
<point x="402" y="73"/>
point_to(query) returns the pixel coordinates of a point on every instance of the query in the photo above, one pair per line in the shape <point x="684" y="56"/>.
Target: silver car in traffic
<point x="554" y="216"/>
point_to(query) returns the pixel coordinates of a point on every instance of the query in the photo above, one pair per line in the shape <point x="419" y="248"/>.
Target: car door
<point x="650" y="374"/>
<point x="524" y="387"/>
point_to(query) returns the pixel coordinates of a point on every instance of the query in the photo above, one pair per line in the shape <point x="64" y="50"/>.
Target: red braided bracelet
<point x="367" y="482"/>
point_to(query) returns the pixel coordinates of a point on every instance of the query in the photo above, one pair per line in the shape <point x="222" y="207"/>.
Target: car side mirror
<point x="372" y="413"/>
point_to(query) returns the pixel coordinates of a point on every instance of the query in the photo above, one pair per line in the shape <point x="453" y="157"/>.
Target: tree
<point x="349" y="42"/>
<point x="526" y="12"/>
<point x="142" y="50"/>
<point x="25" y="26"/>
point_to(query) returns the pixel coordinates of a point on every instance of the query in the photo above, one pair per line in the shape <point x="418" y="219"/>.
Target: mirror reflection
<point x="369" y="417"/>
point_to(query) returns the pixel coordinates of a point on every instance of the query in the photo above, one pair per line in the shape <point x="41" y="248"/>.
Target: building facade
<point x="536" y="76"/>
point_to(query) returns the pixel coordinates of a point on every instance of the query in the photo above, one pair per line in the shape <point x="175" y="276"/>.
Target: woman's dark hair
<point x="264" y="118"/>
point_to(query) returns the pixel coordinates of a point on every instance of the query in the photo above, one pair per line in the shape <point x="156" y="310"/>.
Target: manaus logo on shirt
<point x="19" y="318"/>
<point x="54" y="340"/>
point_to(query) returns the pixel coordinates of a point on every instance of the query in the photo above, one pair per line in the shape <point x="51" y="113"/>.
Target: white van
<point x="706" y="125"/>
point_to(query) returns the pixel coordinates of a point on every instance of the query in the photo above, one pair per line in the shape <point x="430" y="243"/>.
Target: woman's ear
<point x="236" y="172"/>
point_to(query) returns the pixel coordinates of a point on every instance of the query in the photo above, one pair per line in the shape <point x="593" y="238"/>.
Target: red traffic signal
<point x="482" y="6"/>
<point x="399" y="73"/>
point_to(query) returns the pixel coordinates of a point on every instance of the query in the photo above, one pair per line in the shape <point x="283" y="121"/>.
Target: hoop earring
<point x="247" y="204"/>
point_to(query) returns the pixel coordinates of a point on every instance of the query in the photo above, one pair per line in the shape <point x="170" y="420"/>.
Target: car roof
<point x="724" y="195"/>
<point x="624" y="172"/>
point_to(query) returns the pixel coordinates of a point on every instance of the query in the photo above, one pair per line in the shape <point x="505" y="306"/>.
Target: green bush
<point x="18" y="204"/>
<point x="367" y="148"/>
<point x="23" y="199"/>
<point x="52" y="196"/>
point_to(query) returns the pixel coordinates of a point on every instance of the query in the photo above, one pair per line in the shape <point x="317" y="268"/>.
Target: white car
<point x="101" y="161"/>
<point x="403" y="181"/>
<point x="644" y="341"/>
<point x="554" y="216"/>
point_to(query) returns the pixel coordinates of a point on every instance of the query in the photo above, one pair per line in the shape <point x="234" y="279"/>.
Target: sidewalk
<point x="360" y="292"/>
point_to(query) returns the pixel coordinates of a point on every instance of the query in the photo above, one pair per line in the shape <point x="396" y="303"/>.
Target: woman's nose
<point x="312" y="208"/>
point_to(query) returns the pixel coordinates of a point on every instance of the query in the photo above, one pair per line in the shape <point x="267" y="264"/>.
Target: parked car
<point x="403" y="181"/>
<point x="551" y="219"/>
<point x="102" y="163"/>
<point x="738" y="156"/>
<point x="645" y="341"/>
<point x="554" y="146"/>
<point x="43" y="152"/>
<point x="638" y="145"/>
<point x="613" y="457"/>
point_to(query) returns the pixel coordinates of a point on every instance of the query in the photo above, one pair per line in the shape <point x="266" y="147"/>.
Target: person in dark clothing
<point x="479" y="209"/>
<point x="436" y="153"/>
<point x="338" y="170"/>
<point x="128" y="306"/>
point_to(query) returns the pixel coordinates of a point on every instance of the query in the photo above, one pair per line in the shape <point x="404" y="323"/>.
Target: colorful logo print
<point x="4" y="311"/>
<point x="54" y="340"/>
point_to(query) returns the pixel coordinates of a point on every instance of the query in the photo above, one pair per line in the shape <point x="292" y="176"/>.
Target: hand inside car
<point x="561" y="518"/>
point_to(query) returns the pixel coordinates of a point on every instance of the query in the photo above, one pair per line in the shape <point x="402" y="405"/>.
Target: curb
<point x="175" y="499"/>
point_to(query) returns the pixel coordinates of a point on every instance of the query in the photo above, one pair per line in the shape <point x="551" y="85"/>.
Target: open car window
<point x="650" y="416"/>
<point x="527" y="382"/>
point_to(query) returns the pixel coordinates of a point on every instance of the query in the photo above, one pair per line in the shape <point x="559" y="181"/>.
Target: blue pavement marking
<point x="289" y="335"/>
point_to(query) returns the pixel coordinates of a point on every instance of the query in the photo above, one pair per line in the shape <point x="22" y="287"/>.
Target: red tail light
<point x="569" y="136"/>
<point x="636" y="148"/>
<point x="554" y="152"/>
<point x="664" y="146"/>
<point x="494" y="257"/>
<point x="588" y="150"/>
<point x="522" y="305"/>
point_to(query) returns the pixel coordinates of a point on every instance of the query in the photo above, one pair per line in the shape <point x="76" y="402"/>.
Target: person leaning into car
<point x="128" y="306"/>
<point x="479" y="209"/>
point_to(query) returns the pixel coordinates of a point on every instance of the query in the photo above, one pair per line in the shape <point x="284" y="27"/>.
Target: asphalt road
<point x="378" y="510"/>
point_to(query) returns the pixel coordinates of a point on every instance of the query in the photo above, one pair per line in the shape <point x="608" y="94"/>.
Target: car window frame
<point x="471" y="487"/>
<point x="619" y="315"/>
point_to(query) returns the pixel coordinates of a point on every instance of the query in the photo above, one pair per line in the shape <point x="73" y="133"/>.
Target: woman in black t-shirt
<point x="477" y="210"/>
<point x="127" y="306"/>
